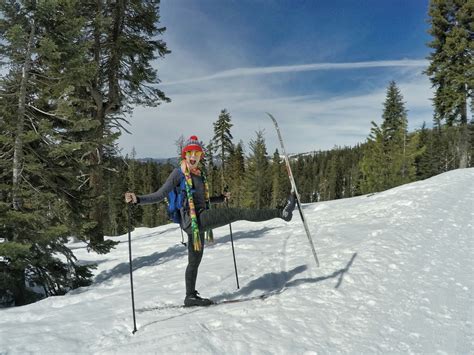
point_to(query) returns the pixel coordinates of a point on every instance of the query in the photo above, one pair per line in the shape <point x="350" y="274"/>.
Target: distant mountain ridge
<point x="173" y="161"/>
<point x="217" y="160"/>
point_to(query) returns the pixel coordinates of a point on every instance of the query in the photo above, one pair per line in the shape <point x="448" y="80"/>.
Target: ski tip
<point x="271" y="116"/>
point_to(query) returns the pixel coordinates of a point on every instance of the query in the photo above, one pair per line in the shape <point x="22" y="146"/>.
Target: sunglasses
<point x="195" y="153"/>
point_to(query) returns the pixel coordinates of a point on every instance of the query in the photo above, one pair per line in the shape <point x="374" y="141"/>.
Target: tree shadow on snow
<point x="152" y="234"/>
<point x="171" y="253"/>
<point x="275" y="283"/>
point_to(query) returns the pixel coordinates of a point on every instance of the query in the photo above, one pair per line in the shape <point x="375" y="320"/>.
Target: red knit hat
<point x="193" y="143"/>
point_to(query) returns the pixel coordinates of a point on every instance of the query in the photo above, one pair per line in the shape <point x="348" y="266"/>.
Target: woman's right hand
<point x="130" y="197"/>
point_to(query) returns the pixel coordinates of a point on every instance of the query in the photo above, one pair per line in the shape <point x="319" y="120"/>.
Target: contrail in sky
<point x="238" y="72"/>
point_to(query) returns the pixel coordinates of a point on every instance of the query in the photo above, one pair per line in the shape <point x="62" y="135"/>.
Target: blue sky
<point x="320" y="67"/>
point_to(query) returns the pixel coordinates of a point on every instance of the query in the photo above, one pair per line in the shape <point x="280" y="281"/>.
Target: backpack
<point x="177" y="200"/>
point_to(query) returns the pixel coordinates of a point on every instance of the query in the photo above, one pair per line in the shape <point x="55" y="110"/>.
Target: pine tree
<point x="395" y="130"/>
<point x="179" y="147"/>
<point x="236" y="175"/>
<point x="321" y="179"/>
<point x="394" y="115"/>
<point x="122" y="37"/>
<point x="258" y="181"/>
<point x="280" y="181"/>
<point x="389" y="154"/>
<point x="37" y="210"/>
<point x="337" y="173"/>
<point x="222" y="143"/>
<point x="451" y="67"/>
<point x="75" y="68"/>
<point x="150" y="212"/>
<point x="116" y="177"/>
<point x="211" y="171"/>
<point x="133" y="182"/>
<point x="373" y="165"/>
<point x="427" y="163"/>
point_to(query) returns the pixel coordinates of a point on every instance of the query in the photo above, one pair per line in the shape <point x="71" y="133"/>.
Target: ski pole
<point x="233" y="253"/>
<point x="232" y="242"/>
<point x="130" y="263"/>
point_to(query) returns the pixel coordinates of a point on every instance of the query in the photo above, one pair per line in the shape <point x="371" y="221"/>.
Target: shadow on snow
<point x="171" y="253"/>
<point x="275" y="283"/>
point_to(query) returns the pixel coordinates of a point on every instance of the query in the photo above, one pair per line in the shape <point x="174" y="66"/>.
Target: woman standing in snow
<point x="196" y="215"/>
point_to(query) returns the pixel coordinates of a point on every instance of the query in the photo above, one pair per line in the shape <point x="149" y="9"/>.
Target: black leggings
<point x="194" y="259"/>
<point x="219" y="217"/>
<point x="214" y="218"/>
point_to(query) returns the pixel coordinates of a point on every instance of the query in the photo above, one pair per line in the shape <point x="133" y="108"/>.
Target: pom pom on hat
<point x="193" y="143"/>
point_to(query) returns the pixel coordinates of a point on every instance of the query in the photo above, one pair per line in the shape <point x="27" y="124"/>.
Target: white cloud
<point x="239" y="72"/>
<point x="308" y="122"/>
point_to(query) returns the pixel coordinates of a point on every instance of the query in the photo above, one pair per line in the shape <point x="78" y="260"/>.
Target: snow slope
<point x="395" y="277"/>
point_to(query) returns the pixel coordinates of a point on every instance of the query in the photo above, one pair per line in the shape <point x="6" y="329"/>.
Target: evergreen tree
<point x="354" y="172"/>
<point x="373" y="166"/>
<point x="222" y="143"/>
<point x="394" y="115"/>
<point x="327" y="175"/>
<point x="258" y="181"/>
<point x="116" y="177"/>
<point x="395" y="131"/>
<point x="280" y="181"/>
<point x="451" y="69"/>
<point x="211" y="171"/>
<point x="427" y="162"/>
<point x="180" y="142"/>
<point x="133" y="179"/>
<point x="150" y="183"/>
<point x="122" y="37"/>
<point x="298" y="169"/>
<point x="41" y="196"/>
<point x="236" y="175"/>
<point x="75" y="68"/>
<point x="336" y="174"/>
<point x="318" y="163"/>
<point x="389" y="154"/>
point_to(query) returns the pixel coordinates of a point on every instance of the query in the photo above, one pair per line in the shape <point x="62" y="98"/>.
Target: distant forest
<point x="391" y="156"/>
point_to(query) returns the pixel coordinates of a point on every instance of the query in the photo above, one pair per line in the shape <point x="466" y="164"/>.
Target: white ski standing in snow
<point x="294" y="189"/>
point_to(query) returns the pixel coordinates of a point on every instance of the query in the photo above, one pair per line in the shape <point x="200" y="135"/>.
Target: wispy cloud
<point x="309" y="122"/>
<point x="240" y="72"/>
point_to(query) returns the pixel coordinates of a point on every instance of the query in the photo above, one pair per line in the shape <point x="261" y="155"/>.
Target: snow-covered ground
<point x="396" y="276"/>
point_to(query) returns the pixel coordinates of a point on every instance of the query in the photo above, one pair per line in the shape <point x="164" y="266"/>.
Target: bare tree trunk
<point x="96" y="181"/>
<point x="18" y="147"/>
<point x="464" y="138"/>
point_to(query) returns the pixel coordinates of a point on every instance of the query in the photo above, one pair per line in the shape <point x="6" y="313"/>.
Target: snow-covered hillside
<point x="395" y="277"/>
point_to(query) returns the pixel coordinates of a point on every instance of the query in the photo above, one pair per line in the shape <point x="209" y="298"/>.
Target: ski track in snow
<point x="395" y="277"/>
